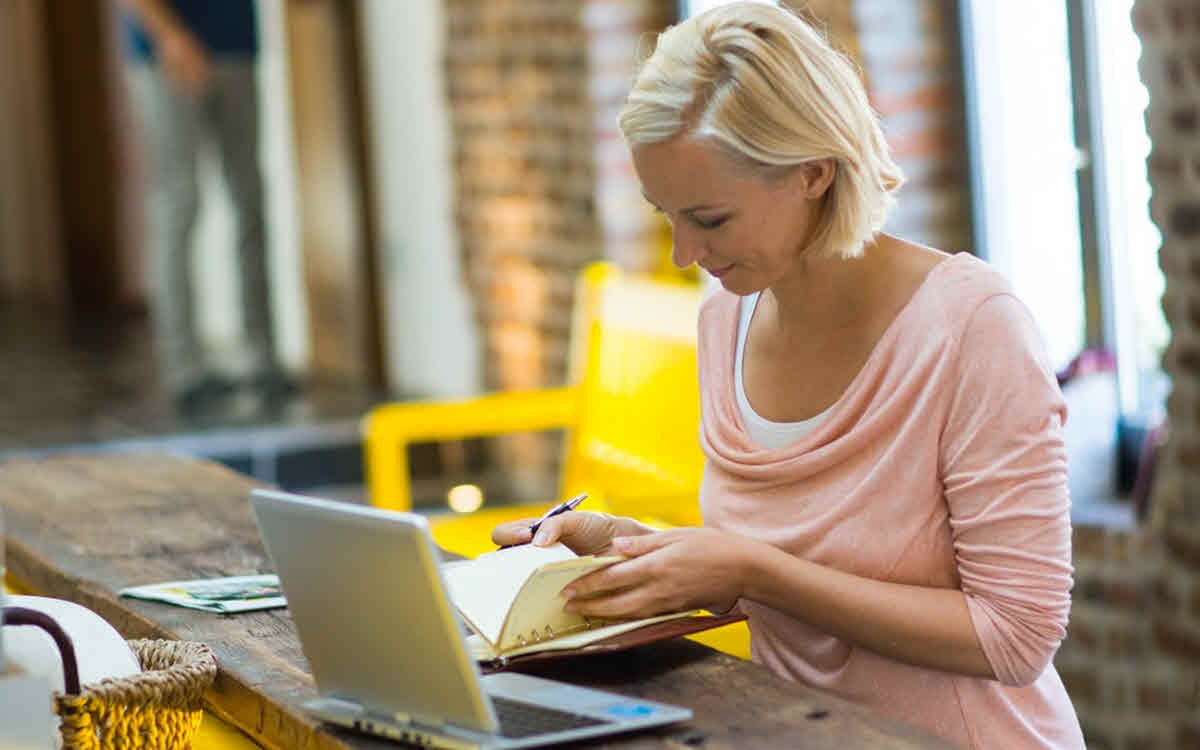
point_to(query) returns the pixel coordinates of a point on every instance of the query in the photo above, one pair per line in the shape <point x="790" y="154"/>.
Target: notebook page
<point x="484" y="589"/>
<point x="537" y="613"/>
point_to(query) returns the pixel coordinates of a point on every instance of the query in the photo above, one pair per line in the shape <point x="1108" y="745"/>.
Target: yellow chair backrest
<point x="635" y="443"/>
<point x="630" y="407"/>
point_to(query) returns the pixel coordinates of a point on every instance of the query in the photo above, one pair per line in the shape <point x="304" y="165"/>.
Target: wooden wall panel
<point x="30" y="255"/>
<point x="83" y="81"/>
<point x="336" y="246"/>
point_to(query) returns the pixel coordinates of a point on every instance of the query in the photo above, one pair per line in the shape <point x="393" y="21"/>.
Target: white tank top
<point x="766" y="433"/>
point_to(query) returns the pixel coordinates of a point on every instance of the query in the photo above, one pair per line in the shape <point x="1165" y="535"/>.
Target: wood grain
<point x="82" y="527"/>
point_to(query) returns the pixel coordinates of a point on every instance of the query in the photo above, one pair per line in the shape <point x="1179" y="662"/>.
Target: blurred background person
<point x="192" y="81"/>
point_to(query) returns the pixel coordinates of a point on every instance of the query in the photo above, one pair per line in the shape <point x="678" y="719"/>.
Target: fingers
<point x="513" y="532"/>
<point x="585" y="532"/>
<point x="551" y="530"/>
<point x="604" y="582"/>
<point x="619" y="595"/>
<point x="635" y="546"/>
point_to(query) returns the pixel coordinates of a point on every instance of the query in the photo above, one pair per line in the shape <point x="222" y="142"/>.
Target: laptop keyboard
<point x="519" y="719"/>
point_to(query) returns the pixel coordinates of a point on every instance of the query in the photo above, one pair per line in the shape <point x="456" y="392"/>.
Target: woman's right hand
<point x="585" y="533"/>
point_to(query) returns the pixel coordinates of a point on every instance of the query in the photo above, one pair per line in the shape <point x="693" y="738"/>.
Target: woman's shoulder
<point x="961" y="284"/>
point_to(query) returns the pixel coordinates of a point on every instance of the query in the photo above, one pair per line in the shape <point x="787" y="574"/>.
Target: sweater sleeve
<point x="1004" y="471"/>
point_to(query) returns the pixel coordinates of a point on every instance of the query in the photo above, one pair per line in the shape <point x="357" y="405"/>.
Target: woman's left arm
<point x="684" y="568"/>
<point x="1004" y="473"/>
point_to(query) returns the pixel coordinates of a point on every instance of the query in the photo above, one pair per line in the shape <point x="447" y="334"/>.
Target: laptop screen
<point x="370" y="608"/>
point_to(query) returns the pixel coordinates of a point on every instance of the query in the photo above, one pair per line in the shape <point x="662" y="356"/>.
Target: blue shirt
<point x="224" y="27"/>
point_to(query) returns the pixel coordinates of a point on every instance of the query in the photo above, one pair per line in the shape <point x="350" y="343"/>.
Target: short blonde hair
<point x="771" y="93"/>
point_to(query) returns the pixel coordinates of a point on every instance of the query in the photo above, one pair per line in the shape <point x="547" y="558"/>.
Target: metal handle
<point x="26" y="616"/>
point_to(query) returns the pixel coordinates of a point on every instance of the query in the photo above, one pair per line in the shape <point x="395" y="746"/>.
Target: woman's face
<point x="746" y="231"/>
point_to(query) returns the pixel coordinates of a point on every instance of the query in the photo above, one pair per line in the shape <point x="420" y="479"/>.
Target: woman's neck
<point x="827" y="294"/>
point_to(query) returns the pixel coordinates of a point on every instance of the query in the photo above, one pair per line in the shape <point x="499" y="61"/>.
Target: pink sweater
<point x="942" y="464"/>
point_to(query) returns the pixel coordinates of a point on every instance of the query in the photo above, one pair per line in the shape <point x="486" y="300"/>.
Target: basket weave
<point x="158" y="709"/>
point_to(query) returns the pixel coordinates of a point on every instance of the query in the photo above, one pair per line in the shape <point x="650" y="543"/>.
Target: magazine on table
<point x="222" y="595"/>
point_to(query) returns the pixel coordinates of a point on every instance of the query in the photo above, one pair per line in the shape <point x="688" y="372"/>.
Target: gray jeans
<point x="174" y="125"/>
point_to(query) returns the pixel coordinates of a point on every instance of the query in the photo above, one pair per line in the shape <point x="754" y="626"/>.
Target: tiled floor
<point x="90" y="384"/>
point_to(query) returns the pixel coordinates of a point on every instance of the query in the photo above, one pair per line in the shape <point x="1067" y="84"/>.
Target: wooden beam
<point x="335" y="232"/>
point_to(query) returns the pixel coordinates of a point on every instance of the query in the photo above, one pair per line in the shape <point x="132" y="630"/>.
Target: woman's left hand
<point x="667" y="571"/>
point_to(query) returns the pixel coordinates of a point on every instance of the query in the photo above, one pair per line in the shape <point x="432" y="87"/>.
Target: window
<point x="1059" y="146"/>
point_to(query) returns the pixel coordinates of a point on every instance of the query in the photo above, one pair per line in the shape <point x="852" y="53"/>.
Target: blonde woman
<point x="885" y="494"/>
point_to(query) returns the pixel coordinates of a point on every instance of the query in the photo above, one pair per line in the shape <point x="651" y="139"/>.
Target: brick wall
<point x="1122" y="668"/>
<point x="620" y="33"/>
<point x="527" y="101"/>
<point x="1131" y="660"/>
<point x="913" y="68"/>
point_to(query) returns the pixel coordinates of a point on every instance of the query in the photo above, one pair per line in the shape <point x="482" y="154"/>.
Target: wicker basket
<point x="157" y="709"/>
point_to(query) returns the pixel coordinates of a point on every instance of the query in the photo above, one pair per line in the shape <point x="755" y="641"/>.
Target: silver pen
<point x="559" y="509"/>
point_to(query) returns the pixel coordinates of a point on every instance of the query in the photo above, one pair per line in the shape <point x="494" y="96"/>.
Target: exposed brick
<point x="1098" y="735"/>
<point x="1088" y="588"/>
<point x="1175" y="16"/>
<point x="1124" y="641"/>
<point x="1186" y="358"/>
<point x="1168" y="298"/>
<point x="1173" y="68"/>
<point x="1089" y="543"/>
<point x="1184" y="120"/>
<point x="1187" y="692"/>
<point x="1183" y="543"/>
<point x="1145" y="21"/>
<point x="1148" y="738"/>
<point x="1165" y="593"/>
<point x="1082" y="683"/>
<point x="1119" y="547"/>
<point x="1187" y="450"/>
<point x="1177" y="639"/>
<point x="1184" y="219"/>
<point x="1153" y="694"/>
<point x="1188" y="734"/>
<point x="1165" y="166"/>
<point x="1166" y="695"/>
<point x="1082" y="633"/>
<point x="1115" y="689"/>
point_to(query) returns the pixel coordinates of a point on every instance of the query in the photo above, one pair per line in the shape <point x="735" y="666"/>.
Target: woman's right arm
<point x="585" y="533"/>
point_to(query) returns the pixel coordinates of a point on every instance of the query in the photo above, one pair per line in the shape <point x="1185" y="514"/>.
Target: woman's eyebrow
<point x="690" y="210"/>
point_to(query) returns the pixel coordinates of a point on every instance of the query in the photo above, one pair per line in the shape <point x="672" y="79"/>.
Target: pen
<point x="562" y="507"/>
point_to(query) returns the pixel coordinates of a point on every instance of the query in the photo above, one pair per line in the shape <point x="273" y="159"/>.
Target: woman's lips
<point x="719" y="272"/>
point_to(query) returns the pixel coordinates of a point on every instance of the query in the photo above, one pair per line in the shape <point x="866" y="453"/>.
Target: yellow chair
<point x="630" y="410"/>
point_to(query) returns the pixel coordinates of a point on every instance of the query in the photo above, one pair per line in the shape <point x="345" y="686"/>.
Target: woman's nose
<point x="686" y="247"/>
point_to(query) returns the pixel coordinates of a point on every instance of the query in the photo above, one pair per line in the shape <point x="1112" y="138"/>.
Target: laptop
<point x="386" y="647"/>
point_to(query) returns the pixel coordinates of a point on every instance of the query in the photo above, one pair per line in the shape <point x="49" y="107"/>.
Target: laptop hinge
<point x="399" y="717"/>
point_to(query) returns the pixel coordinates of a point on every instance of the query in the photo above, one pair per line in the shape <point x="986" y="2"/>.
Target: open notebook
<point x="510" y="598"/>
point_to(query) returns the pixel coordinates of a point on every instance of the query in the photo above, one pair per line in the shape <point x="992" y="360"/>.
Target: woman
<point x="885" y="494"/>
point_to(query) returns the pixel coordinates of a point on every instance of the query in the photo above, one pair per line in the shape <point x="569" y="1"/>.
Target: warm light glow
<point x="464" y="498"/>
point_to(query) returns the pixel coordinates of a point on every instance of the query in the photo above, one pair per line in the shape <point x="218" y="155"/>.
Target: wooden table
<point x="80" y="528"/>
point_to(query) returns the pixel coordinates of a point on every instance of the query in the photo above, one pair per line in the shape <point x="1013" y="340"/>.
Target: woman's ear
<point x="817" y="176"/>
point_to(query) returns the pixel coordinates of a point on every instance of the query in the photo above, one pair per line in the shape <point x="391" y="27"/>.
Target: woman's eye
<point x="710" y="223"/>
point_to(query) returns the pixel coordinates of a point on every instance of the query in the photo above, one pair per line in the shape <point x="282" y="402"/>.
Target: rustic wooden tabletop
<point x="83" y="527"/>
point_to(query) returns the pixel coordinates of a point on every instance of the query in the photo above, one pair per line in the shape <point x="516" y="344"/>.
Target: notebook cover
<point x="653" y="633"/>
